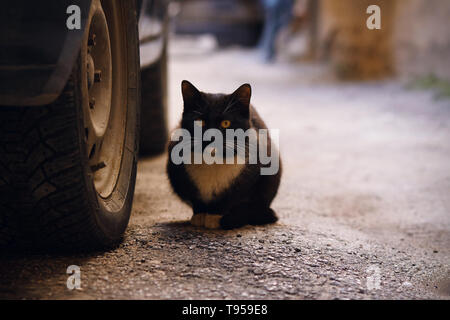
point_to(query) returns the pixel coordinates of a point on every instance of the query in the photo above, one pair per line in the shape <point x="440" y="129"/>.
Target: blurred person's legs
<point x="278" y="13"/>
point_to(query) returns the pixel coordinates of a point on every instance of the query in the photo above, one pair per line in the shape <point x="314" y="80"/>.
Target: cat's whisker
<point x="245" y="146"/>
<point x="230" y="104"/>
<point x="197" y="112"/>
<point x="237" y="148"/>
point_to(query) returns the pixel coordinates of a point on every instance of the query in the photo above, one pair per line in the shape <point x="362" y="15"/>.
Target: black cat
<point x="225" y="195"/>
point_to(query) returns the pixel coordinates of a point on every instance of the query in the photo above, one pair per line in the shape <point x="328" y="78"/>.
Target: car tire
<point x="52" y="194"/>
<point x="154" y="130"/>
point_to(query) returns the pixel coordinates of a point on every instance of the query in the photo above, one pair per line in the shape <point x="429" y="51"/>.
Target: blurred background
<point x="216" y="42"/>
<point x="414" y="38"/>
<point x="363" y="114"/>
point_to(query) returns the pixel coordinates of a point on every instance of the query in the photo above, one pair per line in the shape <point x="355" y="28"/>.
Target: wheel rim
<point x="104" y="104"/>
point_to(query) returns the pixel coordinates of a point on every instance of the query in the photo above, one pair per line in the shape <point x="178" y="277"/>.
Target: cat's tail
<point x="261" y="217"/>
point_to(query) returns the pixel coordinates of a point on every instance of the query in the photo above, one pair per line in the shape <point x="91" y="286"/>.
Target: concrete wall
<point x="354" y="50"/>
<point x="422" y="37"/>
<point x="414" y="38"/>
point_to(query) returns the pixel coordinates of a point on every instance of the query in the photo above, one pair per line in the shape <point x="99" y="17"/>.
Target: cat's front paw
<point x="198" y="220"/>
<point x="212" y="221"/>
<point x="230" y="221"/>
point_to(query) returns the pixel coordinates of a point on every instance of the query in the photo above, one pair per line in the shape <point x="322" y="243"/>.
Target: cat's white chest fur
<point x="212" y="179"/>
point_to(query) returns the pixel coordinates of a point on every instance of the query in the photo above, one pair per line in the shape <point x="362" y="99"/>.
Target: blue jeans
<point x="278" y="13"/>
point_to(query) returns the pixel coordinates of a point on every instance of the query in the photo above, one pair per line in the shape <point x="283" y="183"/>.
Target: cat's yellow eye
<point x="225" y="123"/>
<point x="200" y="122"/>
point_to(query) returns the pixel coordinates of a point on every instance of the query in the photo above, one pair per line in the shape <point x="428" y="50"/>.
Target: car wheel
<point x="68" y="169"/>
<point x="154" y="131"/>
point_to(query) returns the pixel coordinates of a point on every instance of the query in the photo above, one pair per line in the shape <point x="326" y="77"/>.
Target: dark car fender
<point x="37" y="50"/>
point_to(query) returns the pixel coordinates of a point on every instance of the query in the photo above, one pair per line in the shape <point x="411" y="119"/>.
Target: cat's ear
<point x="243" y="94"/>
<point x="190" y="93"/>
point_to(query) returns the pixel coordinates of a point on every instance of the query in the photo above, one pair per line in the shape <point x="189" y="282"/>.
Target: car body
<point x="37" y="50"/>
<point x="232" y="22"/>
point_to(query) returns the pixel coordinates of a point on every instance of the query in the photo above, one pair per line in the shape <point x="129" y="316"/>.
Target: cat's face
<point x="218" y="111"/>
